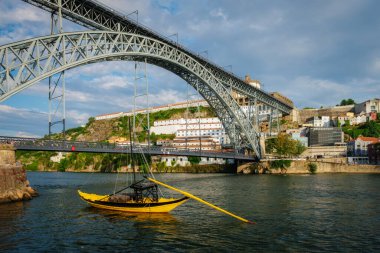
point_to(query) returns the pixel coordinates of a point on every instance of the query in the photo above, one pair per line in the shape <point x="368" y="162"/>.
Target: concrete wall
<point x="301" y="167"/>
<point x="331" y="112"/>
<point x="332" y="165"/>
<point x="14" y="185"/>
<point x="7" y="154"/>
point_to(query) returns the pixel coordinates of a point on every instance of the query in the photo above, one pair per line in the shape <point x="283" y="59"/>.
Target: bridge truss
<point x="25" y="63"/>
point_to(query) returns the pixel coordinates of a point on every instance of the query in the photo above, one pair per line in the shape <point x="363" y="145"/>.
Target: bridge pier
<point x="14" y="185"/>
<point x="244" y="167"/>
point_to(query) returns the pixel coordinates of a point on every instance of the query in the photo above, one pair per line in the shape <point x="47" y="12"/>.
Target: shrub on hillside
<point x="312" y="168"/>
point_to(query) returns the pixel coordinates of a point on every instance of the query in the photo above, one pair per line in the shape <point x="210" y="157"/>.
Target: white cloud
<point x="315" y="52"/>
<point x="26" y="135"/>
<point x="77" y="117"/>
<point x="110" y="82"/>
<point x="79" y="96"/>
<point x="218" y="13"/>
<point x="375" y="68"/>
<point x="19" y="112"/>
<point x="167" y="97"/>
<point x="24" y="13"/>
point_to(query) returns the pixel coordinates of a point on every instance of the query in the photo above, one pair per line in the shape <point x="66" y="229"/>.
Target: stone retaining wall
<point x="301" y="167"/>
<point x="14" y="185"/>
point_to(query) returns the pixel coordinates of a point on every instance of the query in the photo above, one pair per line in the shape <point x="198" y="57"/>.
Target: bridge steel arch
<point x="25" y="63"/>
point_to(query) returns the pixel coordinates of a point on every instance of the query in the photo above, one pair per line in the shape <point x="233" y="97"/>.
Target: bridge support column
<point x="262" y="146"/>
<point x="14" y="185"/>
<point x="57" y="100"/>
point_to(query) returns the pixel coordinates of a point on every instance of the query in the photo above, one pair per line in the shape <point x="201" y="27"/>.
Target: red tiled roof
<point x="372" y="139"/>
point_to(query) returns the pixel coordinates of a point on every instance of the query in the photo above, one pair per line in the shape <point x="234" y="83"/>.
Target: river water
<point x="294" y="213"/>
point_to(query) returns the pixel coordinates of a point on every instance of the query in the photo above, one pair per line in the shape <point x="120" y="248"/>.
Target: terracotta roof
<point x="372" y="139"/>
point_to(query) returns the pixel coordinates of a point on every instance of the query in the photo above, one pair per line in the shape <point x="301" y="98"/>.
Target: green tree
<point x="280" y="164"/>
<point x="161" y="166"/>
<point x="372" y="129"/>
<point x="312" y="167"/>
<point x="194" y="160"/>
<point x="284" y="145"/>
<point x="63" y="165"/>
<point x="349" y="101"/>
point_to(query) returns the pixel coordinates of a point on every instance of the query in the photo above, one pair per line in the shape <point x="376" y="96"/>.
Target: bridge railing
<point x="39" y="144"/>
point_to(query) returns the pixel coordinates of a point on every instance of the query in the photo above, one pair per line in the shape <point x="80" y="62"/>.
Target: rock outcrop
<point x="14" y="185"/>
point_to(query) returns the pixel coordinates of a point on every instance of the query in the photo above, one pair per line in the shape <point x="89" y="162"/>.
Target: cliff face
<point x="14" y="185"/>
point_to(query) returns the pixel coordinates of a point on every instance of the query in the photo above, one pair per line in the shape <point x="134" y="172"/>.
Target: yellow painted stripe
<point x="200" y="200"/>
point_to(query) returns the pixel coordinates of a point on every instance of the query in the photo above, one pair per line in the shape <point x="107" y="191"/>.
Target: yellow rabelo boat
<point x="139" y="197"/>
<point x="143" y="197"/>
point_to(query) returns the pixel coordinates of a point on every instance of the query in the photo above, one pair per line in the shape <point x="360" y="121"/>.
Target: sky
<point x="315" y="52"/>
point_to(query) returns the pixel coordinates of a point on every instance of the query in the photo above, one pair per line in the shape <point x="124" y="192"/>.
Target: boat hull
<point x="163" y="205"/>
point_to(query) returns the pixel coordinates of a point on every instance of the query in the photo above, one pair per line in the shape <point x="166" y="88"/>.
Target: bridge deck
<point x="34" y="144"/>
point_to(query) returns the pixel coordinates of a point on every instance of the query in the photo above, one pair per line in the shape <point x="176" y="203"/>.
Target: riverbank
<point x="14" y="185"/>
<point x="305" y="167"/>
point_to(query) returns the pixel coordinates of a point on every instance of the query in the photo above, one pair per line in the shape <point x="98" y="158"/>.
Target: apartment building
<point x="192" y="128"/>
<point x="359" y="146"/>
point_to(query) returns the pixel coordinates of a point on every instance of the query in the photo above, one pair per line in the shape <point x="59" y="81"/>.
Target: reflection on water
<point x="336" y="213"/>
<point x="140" y="217"/>
<point x="10" y="216"/>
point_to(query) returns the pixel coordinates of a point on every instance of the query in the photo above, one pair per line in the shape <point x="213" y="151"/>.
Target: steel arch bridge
<point x="25" y="63"/>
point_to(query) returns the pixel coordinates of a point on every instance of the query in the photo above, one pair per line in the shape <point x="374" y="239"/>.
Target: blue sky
<point x="315" y="52"/>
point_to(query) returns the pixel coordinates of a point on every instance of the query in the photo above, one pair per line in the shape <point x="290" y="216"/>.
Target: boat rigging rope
<point x="201" y="200"/>
<point x="150" y="173"/>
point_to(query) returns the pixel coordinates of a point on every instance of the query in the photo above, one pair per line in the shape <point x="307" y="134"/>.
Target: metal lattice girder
<point x="27" y="62"/>
<point x="93" y="14"/>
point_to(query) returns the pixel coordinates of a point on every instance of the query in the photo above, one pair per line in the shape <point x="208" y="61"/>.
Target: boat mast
<point x="131" y="146"/>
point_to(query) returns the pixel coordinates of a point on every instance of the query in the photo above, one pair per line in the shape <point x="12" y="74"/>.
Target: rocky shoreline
<point x="14" y="185"/>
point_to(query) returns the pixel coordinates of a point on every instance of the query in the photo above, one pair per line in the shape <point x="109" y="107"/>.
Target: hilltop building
<point x="193" y="133"/>
<point x="372" y="105"/>
<point x="282" y="98"/>
<point x="193" y="103"/>
<point x="109" y="116"/>
<point x="244" y="101"/>
<point x="323" y="121"/>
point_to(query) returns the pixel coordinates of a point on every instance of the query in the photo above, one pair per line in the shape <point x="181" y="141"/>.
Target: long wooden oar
<point x="200" y="200"/>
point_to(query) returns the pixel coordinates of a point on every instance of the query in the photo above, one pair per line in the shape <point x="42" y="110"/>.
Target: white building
<point x="358" y="147"/>
<point x="57" y="158"/>
<point x="196" y="143"/>
<point x="323" y="121"/>
<point x="359" y="119"/>
<point x="372" y="105"/>
<point x="192" y="103"/>
<point x="179" y="105"/>
<point x="171" y="161"/>
<point x="212" y="160"/>
<point x="192" y="128"/>
<point x="109" y="116"/>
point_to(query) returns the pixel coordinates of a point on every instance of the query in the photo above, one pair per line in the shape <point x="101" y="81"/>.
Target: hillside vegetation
<point x="368" y="129"/>
<point x="105" y="131"/>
